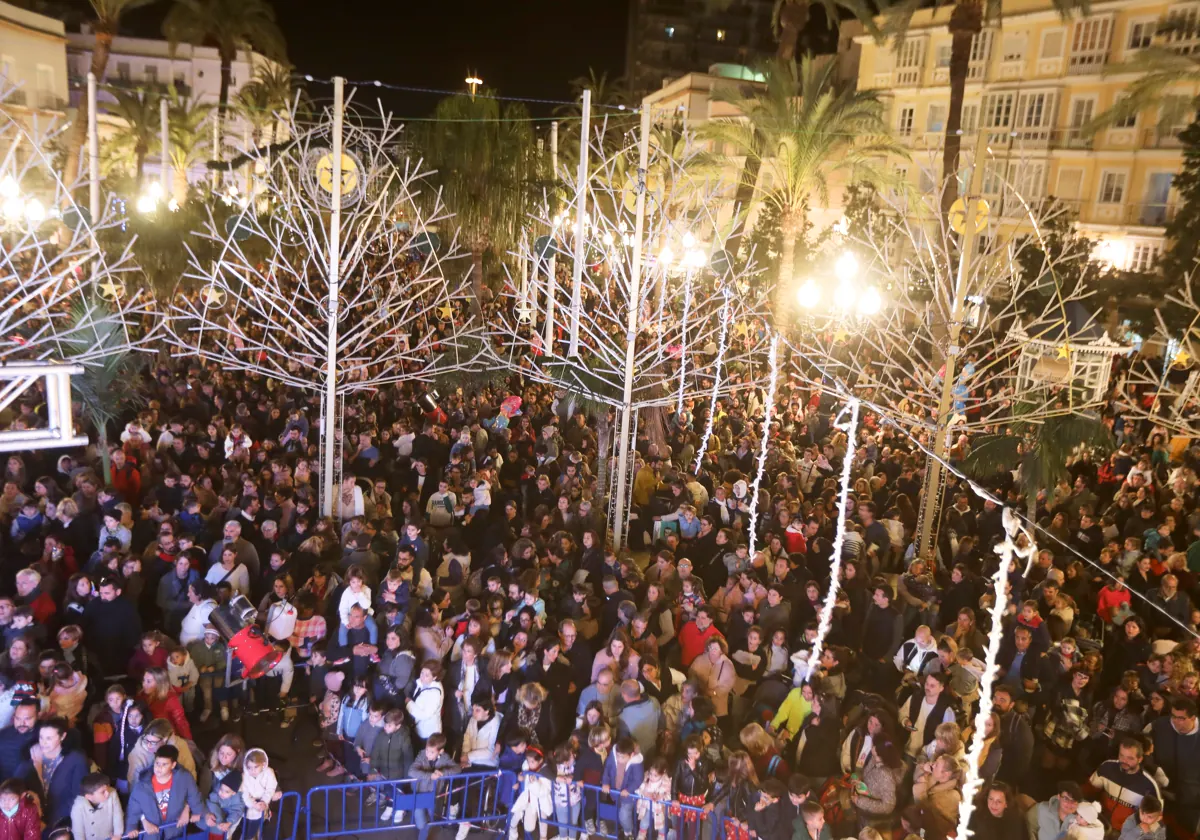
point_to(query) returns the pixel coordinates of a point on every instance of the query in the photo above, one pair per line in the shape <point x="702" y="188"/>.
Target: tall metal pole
<point x="93" y="152"/>
<point x="631" y="329"/>
<point x="552" y="267"/>
<point x="165" y="141"/>
<point x="250" y="162"/>
<point x="335" y="237"/>
<point x="580" y="222"/>
<point x="216" y="147"/>
<point x="934" y="475"/>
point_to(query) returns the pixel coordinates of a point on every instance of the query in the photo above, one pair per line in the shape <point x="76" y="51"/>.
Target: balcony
<point x="1150" y="215"/>
<point x="1087" y="63"/>
<point x="15" y="97"/>
<point x="1136" y="215"/>
<point x="1153" y="138"/>
<point x="48" y="101"/>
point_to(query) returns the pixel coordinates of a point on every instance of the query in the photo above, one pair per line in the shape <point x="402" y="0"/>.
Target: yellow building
<point x="1035" y="81"/>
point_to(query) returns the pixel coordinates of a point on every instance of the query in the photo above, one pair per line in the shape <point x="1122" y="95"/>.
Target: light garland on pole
<point x="850" y="427"/>
<point x="722" y="342"/>
<point x="1009" y="551"/>
<point x="687" y="305"/>
<point x="768" y="410"/>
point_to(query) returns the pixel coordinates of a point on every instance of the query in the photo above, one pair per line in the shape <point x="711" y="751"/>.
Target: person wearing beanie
<point x="225" y="806"/>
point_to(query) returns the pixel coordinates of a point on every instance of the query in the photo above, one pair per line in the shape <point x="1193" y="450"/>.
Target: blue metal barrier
<point x="482" y="799"/>
<point x="282" y="824"/>
<point x="599" y="815"/>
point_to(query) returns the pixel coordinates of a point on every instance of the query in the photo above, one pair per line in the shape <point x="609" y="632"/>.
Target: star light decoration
<point x="1063" y="351"/>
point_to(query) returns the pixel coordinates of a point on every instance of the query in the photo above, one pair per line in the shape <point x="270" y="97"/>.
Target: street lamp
<point x="473" y="82"/>
<point x="808" y="295"/>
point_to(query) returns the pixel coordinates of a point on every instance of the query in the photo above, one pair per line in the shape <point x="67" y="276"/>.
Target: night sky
<point x="527" y="48"/>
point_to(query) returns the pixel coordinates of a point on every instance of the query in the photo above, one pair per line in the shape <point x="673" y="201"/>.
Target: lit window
<point x="670" y="30"/>
<point x="720" y="34"/>
<point x="1112" y="188"/>
<point x="905" y="127"/>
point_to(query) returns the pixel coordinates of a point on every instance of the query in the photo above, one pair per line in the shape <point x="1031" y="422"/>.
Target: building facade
<point x="33" y="62"/>
<point x="667" y="39"/>
<point x="1035" y="82"/>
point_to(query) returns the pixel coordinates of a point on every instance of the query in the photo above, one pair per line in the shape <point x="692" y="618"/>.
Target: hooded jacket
<point x="26" y="824"/>
<point x="634" y="773"/>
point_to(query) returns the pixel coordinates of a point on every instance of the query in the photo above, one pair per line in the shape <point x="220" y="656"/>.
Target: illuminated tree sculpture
<point x="399" y="294"/>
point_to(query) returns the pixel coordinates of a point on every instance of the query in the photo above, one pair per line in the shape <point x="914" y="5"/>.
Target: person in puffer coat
<point x="26" y="820"/>
<point x="534" y="805"/>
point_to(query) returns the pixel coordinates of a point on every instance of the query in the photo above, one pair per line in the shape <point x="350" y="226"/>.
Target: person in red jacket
<point x="694" y="635"/>
<point x="1112" y="595"/>
<point x="31" y="594"/>
<point x="126" y="478"/>
<point x="164" y="703"/>
<point x="20" y="817"/>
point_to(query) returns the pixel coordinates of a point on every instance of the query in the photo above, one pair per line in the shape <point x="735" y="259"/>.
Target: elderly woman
<point x="714" y="672"/>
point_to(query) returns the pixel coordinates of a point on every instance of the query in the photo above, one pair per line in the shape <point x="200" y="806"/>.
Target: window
<point x="1089" y="44"/>
<point x="942" y="58"/>
<point x="981" y="51"/>
<point x="1052" y="43"/>
<point x="1143" y="255"/>
<point x="1183" y="33"/>
<point x="720" y="34"/>
<point x="123" y="71"/>
<point x="1129" y="121"/>
<point x="908" y="61"/>
<point x="670" y="30"/>
<point x="936" y="123"/>
<point x="45" y="79"/>
<point x="925" y="181"/>
<point x="905" y="126"/>
<point x="970" y="118"/>
<point x="1082" y="108"/>
<point x="1013" y="47"/>
<point x="151" y="74"/>
<point x="1141" y="33"/>
<point x="1112" y="188"/>
<point x="1036" y="110"/>
<point x="1027" y="179"/>
<point x="1070" y="184"/>
<point x="180" y="80"/>
<point x="998" y="110"/>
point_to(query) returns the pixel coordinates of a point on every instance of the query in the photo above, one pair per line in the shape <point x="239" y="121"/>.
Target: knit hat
<point x="232" y="780"/>
<point x="208" y="628"/>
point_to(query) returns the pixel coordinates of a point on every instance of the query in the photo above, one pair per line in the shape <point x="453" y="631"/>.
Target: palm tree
<point x="789" y="17"/>
<point x="231" y="25"/>
<point x="802" y="128"/>
<point x="485" y="162"/>
<point x="138" y="110"/>
<point x="1040" y="449"/>
<point x="189" y="137"/>
<point x="967" y="20"/>
<point x="262" y="99"/>
<point x="107" y="22"/>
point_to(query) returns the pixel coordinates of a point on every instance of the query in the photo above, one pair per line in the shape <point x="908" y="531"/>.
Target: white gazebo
<point x="1071" y="350"/>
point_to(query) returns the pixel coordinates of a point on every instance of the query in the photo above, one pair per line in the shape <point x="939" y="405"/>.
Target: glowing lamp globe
<point x="808" y="295"/>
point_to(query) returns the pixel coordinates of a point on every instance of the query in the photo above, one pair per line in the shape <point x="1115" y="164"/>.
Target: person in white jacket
<point x="356" y="592"/>
<point x="481" y="740"/>
<point x="534" y="804"/>
<point x="259" y="789"/>
<point x="97" y="813"/>
<point x="192" y="629"/>
<point x="276" y="611"/>
<point x="425" y="707"/>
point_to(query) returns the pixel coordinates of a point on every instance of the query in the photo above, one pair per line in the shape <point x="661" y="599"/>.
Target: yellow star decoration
<point x="1182" y="358"/>
<point x="840" y="335"/>
<point x="741" y="328"/>
<point x="213" y="296"/>
<point x="445" y="312"/>
<point x="1064" y="351"/>
<point x="112" y="289"/>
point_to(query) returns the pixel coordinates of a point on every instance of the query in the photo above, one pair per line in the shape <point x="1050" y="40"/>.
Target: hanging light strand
<point x="768" y="410"/>
<point x="850" y="427"/>
<point x="1008" y="551"/>
<point x="722" y="340"/>
<point x="687" y="305"/>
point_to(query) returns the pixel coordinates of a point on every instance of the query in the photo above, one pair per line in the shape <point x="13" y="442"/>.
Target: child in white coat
<point x="535" y="804"/>
<point x="259" y="789"/>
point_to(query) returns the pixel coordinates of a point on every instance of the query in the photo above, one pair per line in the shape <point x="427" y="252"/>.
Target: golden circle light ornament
<point x="318" y="177"/>
<point x="958" y="216"/>
<point x="212" y="296"/>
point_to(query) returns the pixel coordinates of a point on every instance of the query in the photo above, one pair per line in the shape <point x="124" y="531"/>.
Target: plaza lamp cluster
<point x="17" y="209"/>
<point x="689" y="258"/>
<point x="147" y="203"/>
<point x="849" y="296"/>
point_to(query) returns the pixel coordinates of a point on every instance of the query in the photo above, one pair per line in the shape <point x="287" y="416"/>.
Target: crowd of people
<point x="461" y="612"/>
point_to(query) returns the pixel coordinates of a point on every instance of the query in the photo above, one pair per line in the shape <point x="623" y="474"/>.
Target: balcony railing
<point x="48" y="101"/>
<point x="1157" y="214"/>
<point x="1150" y="215"/>
<point x="1154" y="138"/>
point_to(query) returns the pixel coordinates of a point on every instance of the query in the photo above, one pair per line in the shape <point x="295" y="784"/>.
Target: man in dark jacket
<point x="54" y="771"/>
<point x="112" y="627"/>
<point x="1016" y="738"/>
<point x="1177" y="751"/>
<point x="167" y="783"/>
<point x="883" y="633"/>
<point x="17" y="738"/>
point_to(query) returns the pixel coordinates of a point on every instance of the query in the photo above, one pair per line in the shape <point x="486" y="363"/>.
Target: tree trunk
<point x="793" y="17"/>
<point x="789" y="225"/>
<point x="180" y="177"/>
<point x="966" y="21"/>
<point x="139" y="153"/>
<point x="100" y="52"/>
<point x="223" y="101"/>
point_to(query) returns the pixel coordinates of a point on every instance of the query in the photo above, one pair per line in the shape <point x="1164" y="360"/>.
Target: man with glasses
<point x="1177" y="751"/>
<point x="1051" y="819"/>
